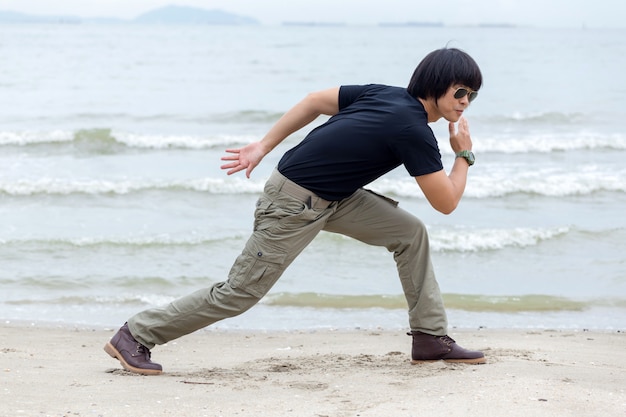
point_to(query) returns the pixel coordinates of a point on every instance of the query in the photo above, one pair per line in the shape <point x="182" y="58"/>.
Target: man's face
<point x="454" y="102"/>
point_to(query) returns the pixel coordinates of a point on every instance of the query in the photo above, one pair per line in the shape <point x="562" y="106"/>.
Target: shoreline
<point x="56" y="370"/>
<point x="266" y="318"/>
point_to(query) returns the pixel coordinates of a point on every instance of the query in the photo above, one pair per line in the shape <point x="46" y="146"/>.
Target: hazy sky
<point x="552" y="13"/>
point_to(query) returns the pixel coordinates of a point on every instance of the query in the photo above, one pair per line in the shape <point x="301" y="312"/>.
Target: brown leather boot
<point x="133" y="356"/>
<point x="429" y="348"/>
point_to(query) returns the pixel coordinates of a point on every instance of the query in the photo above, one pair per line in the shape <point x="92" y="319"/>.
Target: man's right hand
<point x="460" y="139"/>
<point x="246" y="158"/>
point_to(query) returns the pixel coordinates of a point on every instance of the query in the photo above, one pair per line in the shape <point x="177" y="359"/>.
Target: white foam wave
<point x="443" y="240"/>
<point x="534" y="143"/>
<point x="549" y="142"/>
<point x="547" y="182"/>
<point x="65" y="187"/>
<point x="132" y="140"/>
<point x="498" y="182"/>
<point x="548" y="118"/>
<point x="147" y="241"/>
<point x="25" y="138"/>
<point x="180" y="141"/>
<point x="511" y="142"/>
<point x="503" y="181"/>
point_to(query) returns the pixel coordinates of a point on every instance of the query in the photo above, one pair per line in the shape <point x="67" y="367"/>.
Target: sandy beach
<point x="63" y="371"/>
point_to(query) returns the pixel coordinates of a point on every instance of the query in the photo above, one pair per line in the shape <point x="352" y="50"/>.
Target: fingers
<point x="249" y="170"/>
<point x="231" y="157"/>
<point x="234" y="166"/>
<point x="463" y="125"/>
<point x="246" y="158"/>
<point x="451" y="129"/>
<point x="229" y="166"/>
<point x="459" y="135"/>
<point x="234" y="169"/>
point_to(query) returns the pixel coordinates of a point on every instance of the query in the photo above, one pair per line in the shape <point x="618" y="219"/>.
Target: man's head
<point x="440" y="70"/>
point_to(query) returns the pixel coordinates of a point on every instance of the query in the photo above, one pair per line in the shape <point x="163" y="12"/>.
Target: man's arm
<point x="314" y="104"/>
<point x="442" y="191"/>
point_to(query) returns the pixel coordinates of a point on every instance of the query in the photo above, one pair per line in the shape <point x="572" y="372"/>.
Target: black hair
<point x="441" y="69"/>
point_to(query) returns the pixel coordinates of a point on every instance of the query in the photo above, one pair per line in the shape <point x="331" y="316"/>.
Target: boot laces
<point x="144" y="351"/>
<point x="447" y="340"/>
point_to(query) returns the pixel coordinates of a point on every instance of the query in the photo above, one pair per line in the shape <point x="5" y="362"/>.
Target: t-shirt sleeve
<point x="348" y="94"/>
<point x="419" y="152"/>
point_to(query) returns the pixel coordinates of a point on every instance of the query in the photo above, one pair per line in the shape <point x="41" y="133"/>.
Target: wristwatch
<point x="468" y="155"/>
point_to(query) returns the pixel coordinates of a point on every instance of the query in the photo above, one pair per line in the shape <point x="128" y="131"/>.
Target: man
<point x="318" y="186"/>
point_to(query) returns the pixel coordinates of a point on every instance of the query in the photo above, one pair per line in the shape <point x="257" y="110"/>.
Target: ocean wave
<point x="546" y="118"/>
<point x="456" y="301"/>
<point x="147" y="242"/>
<point x="99" y="141"/>
<point x="25" y="138"/>
<point x="93" y="300"/>
<point x="182" y="142"/>
<point x="547" y="143"/>
<point x="504" y="181"/>
<point x="465" y="302"/>
<point x="78" y="284"/>
<point x="441" y="240"/>
<point x="499" y="182"/>
<point x="548" y="182"/>
<point x="459" y="240"/>
<point x="57" y="186"/>
<point x="244" y="116"/>
<point x="545" y="183"/>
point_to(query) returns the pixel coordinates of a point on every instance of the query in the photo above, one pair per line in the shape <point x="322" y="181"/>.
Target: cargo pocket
<point x="256" y="271"/>
<point x="261" y="222"/>
<point x="274" y="215"/>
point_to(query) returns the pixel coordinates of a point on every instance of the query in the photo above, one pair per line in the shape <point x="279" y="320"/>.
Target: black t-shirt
<point x="377" y="128"/>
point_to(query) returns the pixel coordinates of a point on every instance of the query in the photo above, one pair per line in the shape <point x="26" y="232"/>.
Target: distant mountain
<point x="193" y="15"/>
<point x="177" y="15"/>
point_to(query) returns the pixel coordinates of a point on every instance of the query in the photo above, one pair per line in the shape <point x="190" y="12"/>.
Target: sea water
<point x="112" y="199"/>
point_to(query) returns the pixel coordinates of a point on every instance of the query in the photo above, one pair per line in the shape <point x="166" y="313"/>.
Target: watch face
<point x="468" y="156"/>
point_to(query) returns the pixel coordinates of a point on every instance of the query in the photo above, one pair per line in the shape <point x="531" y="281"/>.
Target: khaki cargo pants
<point x="287" y="219"/>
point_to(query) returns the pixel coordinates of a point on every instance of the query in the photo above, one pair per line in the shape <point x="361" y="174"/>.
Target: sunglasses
<point x="462" y="92"/>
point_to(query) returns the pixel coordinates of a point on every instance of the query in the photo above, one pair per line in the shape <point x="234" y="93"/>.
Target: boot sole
<point x="475" y="361"/>
<point x="115" y="354"/>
